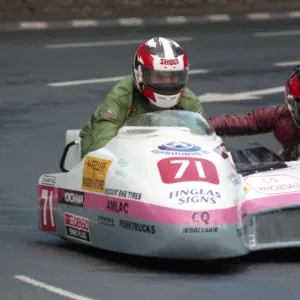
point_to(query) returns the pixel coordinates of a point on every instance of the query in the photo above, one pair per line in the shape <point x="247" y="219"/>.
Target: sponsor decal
<point x="242" y="231"/>
<point x="48" y="180"/>
<point x="234" y="178"/>
<point x="251" y="240"/>
<point x="184" y="169"/>
<point x="177" y="153"/>
<point x="109" y="114"/>
<point x="77" y="227"/>
<point x="122" y="163"/>
<point x="117" y="206"/>
<point x="106" y="221"/>
<point x="94" y="174"/>
<point x="237" y="201"/>
<point x="274" y="184"/>
<point x="201" y="217"/>
<point x="70" y="197"/>
<point x="189" y="196"/>
<point x="138" y="227"/>
<point x="169" y="62"/>
<point x="193" y="230"/>
<point x="246" y="190"/>
<point x="121" y="173"/>
<point x="179" y="148"/>
<point x="123" y="194"/>
<point x="221" y="150"/>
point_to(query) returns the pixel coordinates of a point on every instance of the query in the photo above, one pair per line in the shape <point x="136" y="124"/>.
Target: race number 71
<point x="184" y="169"/>
<point x="47" y="209"/>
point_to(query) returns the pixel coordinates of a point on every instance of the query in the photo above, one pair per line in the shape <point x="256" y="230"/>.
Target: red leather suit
<point x="263" y="120"/>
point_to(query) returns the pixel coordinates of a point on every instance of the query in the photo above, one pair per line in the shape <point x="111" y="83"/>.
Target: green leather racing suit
<point x="121" y="103"/>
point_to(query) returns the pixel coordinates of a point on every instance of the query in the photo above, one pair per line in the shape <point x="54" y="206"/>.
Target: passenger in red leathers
<point x="283" y="120"/>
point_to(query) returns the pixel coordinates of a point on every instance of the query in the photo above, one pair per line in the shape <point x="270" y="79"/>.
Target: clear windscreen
<point x="195" y="122"/>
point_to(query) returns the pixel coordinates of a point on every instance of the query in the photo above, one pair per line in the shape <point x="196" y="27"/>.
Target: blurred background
<point x="16" y="10"/>
<point x="58" y="59"/>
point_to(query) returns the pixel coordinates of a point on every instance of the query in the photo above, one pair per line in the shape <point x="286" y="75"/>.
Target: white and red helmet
<point x="160" y="70"/>
<point x="292" y="94"/>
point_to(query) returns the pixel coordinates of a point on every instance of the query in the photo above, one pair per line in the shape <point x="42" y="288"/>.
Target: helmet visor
<point x="165" y="82"/>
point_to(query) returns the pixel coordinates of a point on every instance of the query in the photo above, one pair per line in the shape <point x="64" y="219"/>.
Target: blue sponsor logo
<point x="195" y="196"/>
<point x="180" y="149"/>
<point x="179" y="146"/>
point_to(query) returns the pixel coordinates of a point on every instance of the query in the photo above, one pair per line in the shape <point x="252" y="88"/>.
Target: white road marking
<point x="33" y="25"/>
<point x="198" y="71"/>
<point x="259" y="16"/>
<point x="110" y="43"/>
<point x="219" y="18"/>
<point x="251" y="95"/>
<point x="51" y="288"/>
<point x="177" y="20"/>
<point x="294" y="14"/>
<point x="108" y="79"/>
<point x="131" y="21"/>
<point x="86" y="81"/>
<point x="287" y="63"/>
<point x="84" y="23"/>
<point x="276" y="33"/>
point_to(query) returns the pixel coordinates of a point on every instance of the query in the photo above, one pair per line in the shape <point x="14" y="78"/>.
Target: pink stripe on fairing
<point x="165" y="215"/>
<point x="259" y="204"/>
<point x="160" y="214"/>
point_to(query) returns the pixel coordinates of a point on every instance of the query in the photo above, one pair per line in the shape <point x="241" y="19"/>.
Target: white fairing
<point x="144" y="174"/>
<point x="141" y="155"/>
<point x="162" y="172"/>
<point x="157" y="180"/>
<point x="138" y="148"/>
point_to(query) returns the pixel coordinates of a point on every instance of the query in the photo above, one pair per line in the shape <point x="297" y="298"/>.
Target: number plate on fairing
<point x="181" y="169"/>
<point x="47" y="208"/>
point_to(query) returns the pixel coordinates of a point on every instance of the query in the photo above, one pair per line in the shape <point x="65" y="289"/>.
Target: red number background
<point x="48" y="226"/>
<point x="168" y="171"/>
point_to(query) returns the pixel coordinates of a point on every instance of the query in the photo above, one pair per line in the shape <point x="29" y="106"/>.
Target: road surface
<point x="41" y="98"/>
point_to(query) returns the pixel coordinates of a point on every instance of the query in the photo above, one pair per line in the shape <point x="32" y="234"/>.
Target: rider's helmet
<point x="292" y="94"/>
<point x="160" y="70"/>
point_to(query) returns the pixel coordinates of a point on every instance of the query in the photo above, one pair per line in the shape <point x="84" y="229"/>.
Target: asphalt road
<point x="34" y="117"/>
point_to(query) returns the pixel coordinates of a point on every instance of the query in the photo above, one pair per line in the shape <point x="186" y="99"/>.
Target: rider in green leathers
<point x="160" y="73"/>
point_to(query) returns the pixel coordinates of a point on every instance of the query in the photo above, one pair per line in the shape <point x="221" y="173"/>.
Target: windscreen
<point x="195" y="122"/>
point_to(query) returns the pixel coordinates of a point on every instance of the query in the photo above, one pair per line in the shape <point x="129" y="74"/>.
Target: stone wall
<point x="17" y="10"/>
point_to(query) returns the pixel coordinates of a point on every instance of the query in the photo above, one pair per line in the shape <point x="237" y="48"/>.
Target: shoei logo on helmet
<point x="179" y="146"/>
<point x="169" y="62"/>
